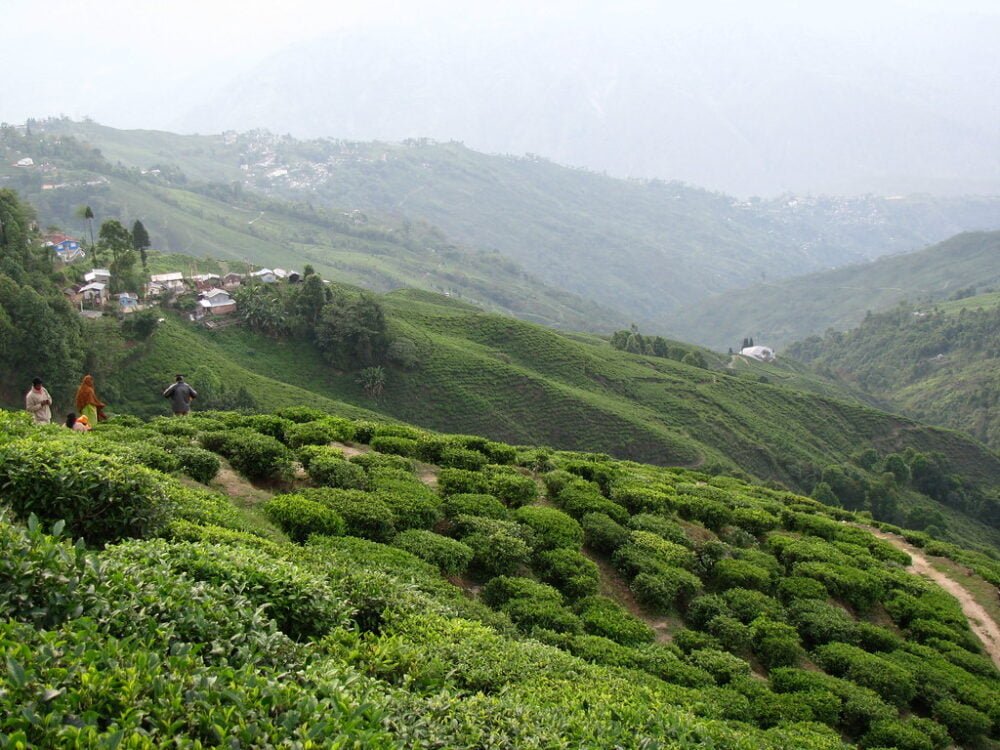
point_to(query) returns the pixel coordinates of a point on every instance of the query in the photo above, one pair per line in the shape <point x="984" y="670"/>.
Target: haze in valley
<point x="747" y="98"/>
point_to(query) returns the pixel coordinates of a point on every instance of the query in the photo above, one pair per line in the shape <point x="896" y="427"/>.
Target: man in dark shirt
<point x="180" y="395"/>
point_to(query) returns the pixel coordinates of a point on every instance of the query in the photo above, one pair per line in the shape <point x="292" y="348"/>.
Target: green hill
<point x="383" y="587"/>
<point x="778" y="313"/>
<point x="239" y="227"/>
<point x="937" y="363"/>
<point x="649" y="249"/>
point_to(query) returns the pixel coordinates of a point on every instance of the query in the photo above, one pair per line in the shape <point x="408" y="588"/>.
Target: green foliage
<point x="666" y="588"/>
<point x="399" y="446"/>
<point x="603" y="533"/>
<point x="552" y="527"/>
<point x="449" y="555"/>
<point x="351" y="331"/>
<point x="375" y="460"/>
<point x="299" y="517"/>
<point x="731" y="573"/>
<point x="499" y="548"/>
<point x="569" y="571"/>
<point x="254" y="455"/>
<point x="365" y="514"/>
<point x="890" y="681"/>
<point x="514" y="490"/>
<point x="473" y="505"/>
<point x="461" y="482"/>
<point x="578" y="498"/>
<point x="456" y="457"/>
<point x="330" y="471"/>
<point x="100" y="498"/>
<point x="319" y="432"/>
<point x="199" y="464"/>
<point x="606" y="617"/>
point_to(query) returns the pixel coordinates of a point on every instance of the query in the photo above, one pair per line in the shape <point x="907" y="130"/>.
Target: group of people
<point x="90" y="409"/>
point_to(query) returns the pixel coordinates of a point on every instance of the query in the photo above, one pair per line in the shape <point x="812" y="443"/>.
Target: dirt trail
<point x="350" y="450"/>
<point x="982" y="624"/>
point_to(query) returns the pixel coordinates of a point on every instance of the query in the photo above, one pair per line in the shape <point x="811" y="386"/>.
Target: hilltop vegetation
<point x="781" y="312"/>
<point x="649" y="249"/>
<point x="936" y="363"/>
<point x="618" y="603"/>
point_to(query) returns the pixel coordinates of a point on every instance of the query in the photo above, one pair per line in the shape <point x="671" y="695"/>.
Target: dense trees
<point x="634" y="342"/>
<point x="140" y="241"/>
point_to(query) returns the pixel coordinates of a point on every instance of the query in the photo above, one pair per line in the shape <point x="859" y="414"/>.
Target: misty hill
<point x="781" y="312"/>
<point x="649" y="249"/>
<point x="937" y="363"/>
<point x="811" y="113"/>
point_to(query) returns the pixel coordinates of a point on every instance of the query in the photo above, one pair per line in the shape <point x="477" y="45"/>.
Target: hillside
<point x="781" y="312"/>
<point x="650" y="249"/>
<point x="296" y="579"/>
<point x="239" y="227"/>
<point x="937" y="363"/>
<point x="472" y="372"/>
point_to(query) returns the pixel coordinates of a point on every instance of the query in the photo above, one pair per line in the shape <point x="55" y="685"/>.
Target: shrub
<point x="659" y="525"/>
<point x="101" y="498"/>
<point x="606" y="617"/>
<point x="578" y="498"/>
<point x="299" y="517"/>
<point x="309" y="453"/>
<point x="474" y="505"/>
<point x="266" y="424"/>
<point x="556" y="480"/>
<point x="300" y="414"/>
<point x="705" y="608"/>
<point x="552" y="527"/>
<point x="965" y="724"/>
<point x="730" y="573"/>
<point x="602" y="533"/>
<point x="321" y="432"/>
<point x="775" y="643"/>
<point x="797" y="588"/>
<point x="399" y="446"/>
<point x="529" y="614"/>
<point x="892" y="682"/>
<point x="747" y="605"/>
<point x="497" y="553"/>
<point x="569" y="571"/>
<point x="199" y="464"/>
<point x="502" y="589"/>
<point x="754" y="520"/>
<point x="688" y="640"/>
<point x="449" y="555"/>
<point x="638" y="498"/>
<point x="732" y="634"/>
<point x="724" y="667"/>
<point x="645" y="552"/>
<point x="820" y="622"/>
<point x="514" y="490"/>
<point x="413" y="505"/>
<point x="374" y="460"/>
<point x="254" y="455"/>
<point x="898" y="734"/>
<point x="666" y="588"/>
<point x="364" y="514"/>
<point x="461" y="482"/>
<point x="328" y="470"/>
<point x="455" y="457"/>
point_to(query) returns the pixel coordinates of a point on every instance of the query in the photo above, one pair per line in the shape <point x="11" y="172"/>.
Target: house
<point x="216" y="302"/>
<point x="154" y="289"/>
<point x="127" y="301"/>
<point x="294" y="277"/>
<point x="98" y="275"/>
<point x="231" y="280"/>
<point x="280" y="273"/>
<point x="173" y="282"/>
<point x="763" y="353"/>
<point x="265" y="276"/>
<point x="94" y="293"/>
<point x="205" y="281"/>
<point x="66" y="248"/>
<point x="27" y="161"/>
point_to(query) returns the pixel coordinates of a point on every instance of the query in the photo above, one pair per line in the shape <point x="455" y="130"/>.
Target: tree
<point x="85" y="212"/>
<point x="372" y="381"/>
<point x="116" y="240"/>
<point x="140" y="241"/>
<point x="352" y="331"/>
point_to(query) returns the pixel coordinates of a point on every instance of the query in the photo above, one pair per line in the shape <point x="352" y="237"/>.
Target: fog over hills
<point x="749" y="109"/>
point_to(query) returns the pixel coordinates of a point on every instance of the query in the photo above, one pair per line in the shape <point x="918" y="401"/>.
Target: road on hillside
<point x="984" y="626"/>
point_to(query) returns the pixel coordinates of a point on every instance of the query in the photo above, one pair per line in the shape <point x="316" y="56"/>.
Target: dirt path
<point x="984" y="626"/>
<point x="350" y="450"/>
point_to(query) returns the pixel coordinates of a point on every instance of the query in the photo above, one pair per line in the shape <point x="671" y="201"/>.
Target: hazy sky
<point x="145" y="64"/>
<point x="103" y="57"/>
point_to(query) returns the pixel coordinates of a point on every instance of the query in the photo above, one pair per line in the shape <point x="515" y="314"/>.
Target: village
<point x="212" y="293"/>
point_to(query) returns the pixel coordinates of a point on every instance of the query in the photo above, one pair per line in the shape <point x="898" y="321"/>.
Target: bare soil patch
<point x="350" y="449"/>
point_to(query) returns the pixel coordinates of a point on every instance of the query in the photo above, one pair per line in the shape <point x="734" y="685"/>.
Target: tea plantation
<point x="365" y="585"/>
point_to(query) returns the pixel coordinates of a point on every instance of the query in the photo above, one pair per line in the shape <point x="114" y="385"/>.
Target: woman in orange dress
<point x="87" y="402"/>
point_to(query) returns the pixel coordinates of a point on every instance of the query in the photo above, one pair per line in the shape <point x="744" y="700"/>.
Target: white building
<point x="763" y="353"/>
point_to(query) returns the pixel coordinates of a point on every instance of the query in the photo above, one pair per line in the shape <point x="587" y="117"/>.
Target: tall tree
<point x="116" y="240"/>
<point x="140" y="241"/>
<point x="85" y="212"/>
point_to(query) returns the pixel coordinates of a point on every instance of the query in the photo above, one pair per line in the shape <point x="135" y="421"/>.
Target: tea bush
<point x="513" y="490"/>
<point x="329" y="471"/>
<point x="474" y="505"/>
<point x="602" y="533"/>
<point x="661" y="526"/>
<point x="569" y="571"/>
<point x="101" y="498"/>
<point x="890" y="681"/>
<point x="321" y="432"/>
<point x="449" y="555"/>
<point x="645" y="552"/>
<point x="552" y="527"/>
<point x="724" y="667"/>
<point x="730" y="573"/>
<point x="795" y="588"/>
<point x="375" y="460"/>
<point x="300" y="414"/>
<point x="461" y="482"/>
<point x="364" y="514"/>
<point x="498" y="547"/>
<point x="306" y="454"/>
<point x="578" y="498"/>
<point x="399" y="446"/>
<point x="300" y="517"/>
<point x="254" y="455"/>
<point x="606" y="617"/>
<point x="964" y="723"/>
<point x="666" y="588"/>
<point x="454" y="457"/>
<point x="556" y="480"/>
<point x="199" y="464"/>
<point x="904" y="735"/>
<point x="266" y="424"/>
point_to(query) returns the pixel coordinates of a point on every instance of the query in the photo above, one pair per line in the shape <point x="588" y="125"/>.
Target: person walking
<point x="181" y="395"/>
<point x="87" y="403"/>
<point x="38" y="402"/>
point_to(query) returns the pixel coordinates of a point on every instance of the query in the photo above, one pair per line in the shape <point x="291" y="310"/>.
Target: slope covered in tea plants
<point x="791" y="627"/>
